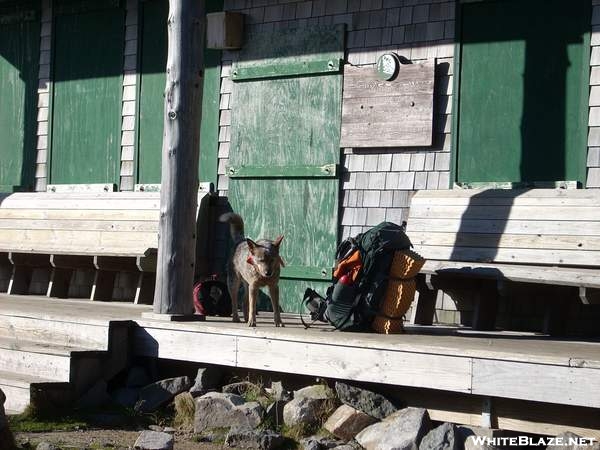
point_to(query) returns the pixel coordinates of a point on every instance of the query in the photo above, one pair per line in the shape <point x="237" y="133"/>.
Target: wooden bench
<point x="105" y="232"/>
<point x="488" y="237"/>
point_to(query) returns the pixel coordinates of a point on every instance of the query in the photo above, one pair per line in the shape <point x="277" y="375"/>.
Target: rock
<point x="243" y="388"/>
<point x="279" y="393"/>
<point x="570" y="441"/>
<point x="169" y="430"/>
<point x="403" y="430"/>
<point x="275" y="412"/>
<point x="318" y="392"/>
<point x="137" y="377"/>
<point x="216" y="410"/>
<point x="371" y="403"/>
<point x="346" y="422"/>
<point x="310" y="444"/>
<point x="96" y="396"/>
<point x="444" y="437"/>
<point x="302" y="411"/>
<point x="248" y="415"/>
<point x="126" y="397"/>
<point x="46" y="446"/>
<point x="318" y="443"/>
<point x="155" y="395"/>
<point x="258" y="439"/>
<point x="466" y="433"/>
<point x="154" y="440"/>
<point x="470" y="444"/>
<point x="207" y="379"/>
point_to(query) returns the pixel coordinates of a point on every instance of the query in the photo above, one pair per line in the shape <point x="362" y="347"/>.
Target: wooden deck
<point x="471" y="368"/>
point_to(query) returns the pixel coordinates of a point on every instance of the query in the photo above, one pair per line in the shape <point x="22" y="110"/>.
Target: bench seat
<point x="106" y="232"/>
<point x="539" y="236"/>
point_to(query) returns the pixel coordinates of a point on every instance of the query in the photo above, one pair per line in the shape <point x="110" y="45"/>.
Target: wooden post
<point x="180" y="152"/>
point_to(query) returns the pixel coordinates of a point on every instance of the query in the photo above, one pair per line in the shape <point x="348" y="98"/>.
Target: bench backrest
<point x="112" y="224"/>
<point x="535" y="226"/>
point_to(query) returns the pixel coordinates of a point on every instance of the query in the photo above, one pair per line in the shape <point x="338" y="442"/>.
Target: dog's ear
<point x="277" y="241"/>
<point x="251" y="245"/>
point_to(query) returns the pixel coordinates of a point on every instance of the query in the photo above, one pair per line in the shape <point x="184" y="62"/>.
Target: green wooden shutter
<point x="88" y="68"/>
<point x="524" y="77"/>
<point x="284" y="154"/>
<point x="153" y="61"/>
<point x="19" y="57"/>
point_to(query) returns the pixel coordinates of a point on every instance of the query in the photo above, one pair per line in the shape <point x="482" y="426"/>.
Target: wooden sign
<point x="395" y="113"/>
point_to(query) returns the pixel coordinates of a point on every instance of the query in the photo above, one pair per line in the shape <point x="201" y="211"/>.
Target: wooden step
<point x="17" y="389"/>
<point x="59" y="332"/>
<point x="44" y="360"/>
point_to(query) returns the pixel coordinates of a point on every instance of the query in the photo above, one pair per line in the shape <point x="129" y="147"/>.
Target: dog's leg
<point x="253" y="291"/>
<point x="274" y="294"/>
<point x="245" y="301"/>
<point x="233" y="283"/>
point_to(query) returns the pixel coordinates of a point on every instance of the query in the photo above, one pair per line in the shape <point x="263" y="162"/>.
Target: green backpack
<point x="353" y="307"/>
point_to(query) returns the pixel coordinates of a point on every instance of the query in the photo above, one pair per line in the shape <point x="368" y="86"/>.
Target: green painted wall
<point x="19" y="57"/>
<point x="152" y="63"/>
<point x="88" y="67"/>
<point x="281" y="127"/>
<point x="523" y="90"/>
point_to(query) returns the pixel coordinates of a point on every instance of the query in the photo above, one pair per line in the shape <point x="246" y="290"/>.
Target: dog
<point x="256" y="264"/>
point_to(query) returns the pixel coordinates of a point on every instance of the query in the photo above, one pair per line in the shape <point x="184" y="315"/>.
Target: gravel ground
<point x="105" y="440"/>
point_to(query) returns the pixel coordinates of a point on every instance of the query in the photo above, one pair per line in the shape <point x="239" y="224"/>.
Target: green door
<point x="153" y="61"/>
<point x="285" y="149"/>
<point x="88" y="67"/>
<point x="19" y="57"/>
<point x="523" y="91"/>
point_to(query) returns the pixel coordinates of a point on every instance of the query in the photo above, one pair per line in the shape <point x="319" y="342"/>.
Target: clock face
<point x="387" y="66"/>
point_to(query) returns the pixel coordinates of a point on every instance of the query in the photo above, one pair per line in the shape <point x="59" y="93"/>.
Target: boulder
<point x="137" y="377"/>
<point x="467" y="432"/>
<point x="155" y="395"/>
<point x="257" y="439"/>
<point x="243" y="388"/>
<point x="371" y="403"/>
<point x="207" y="379"/>
<point x="310" y="444"/>
<point x="571" y="441"/>
<point x="403" y="430"/>
<point x="319" y="443"/>
<point x="217" y="410"/>
<point x="444" y="437"/>
<point x="154" y="440"/>
<point x="317" y="392"/>
<point x="346" y="422"/>
<point x="302" y="411"/>
<point x="279" y="393"/>
<point x="46" y="446"/>
<point x="275" y="412"/>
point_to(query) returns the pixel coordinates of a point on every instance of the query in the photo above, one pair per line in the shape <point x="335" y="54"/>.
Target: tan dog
<point x="257" y="264"/>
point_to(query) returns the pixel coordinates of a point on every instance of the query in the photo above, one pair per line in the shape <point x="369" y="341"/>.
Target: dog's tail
<point x="236" y="225"/>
